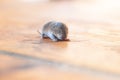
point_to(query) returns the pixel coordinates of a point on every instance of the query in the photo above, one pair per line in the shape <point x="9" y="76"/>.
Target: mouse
<point x="56" y="31"/>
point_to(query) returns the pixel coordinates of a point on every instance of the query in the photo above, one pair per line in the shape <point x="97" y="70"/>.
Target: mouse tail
<point x="39" y="32"/>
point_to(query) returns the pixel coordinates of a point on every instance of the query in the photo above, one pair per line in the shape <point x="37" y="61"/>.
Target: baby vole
<point x="56" y="31"/>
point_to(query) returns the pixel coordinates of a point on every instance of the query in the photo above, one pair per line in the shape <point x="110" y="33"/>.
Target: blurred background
<point x="93" y="52"/>
<point x="34" y="11"/>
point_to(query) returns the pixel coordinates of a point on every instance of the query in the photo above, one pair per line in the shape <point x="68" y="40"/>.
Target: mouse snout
<point x="61" y="37"/>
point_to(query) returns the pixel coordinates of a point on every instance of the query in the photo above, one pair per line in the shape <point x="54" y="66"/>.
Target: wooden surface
<point x="93" y="52"/>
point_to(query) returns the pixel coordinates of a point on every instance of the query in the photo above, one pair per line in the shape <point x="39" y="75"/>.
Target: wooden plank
<point x="37" y="68"/>
<point x="93" y="49"/>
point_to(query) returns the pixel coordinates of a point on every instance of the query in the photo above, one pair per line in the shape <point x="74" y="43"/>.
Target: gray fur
<point x="54" y="30"/>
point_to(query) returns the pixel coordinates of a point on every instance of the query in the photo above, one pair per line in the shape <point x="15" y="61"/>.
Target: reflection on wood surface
<point x="93" y="52"/>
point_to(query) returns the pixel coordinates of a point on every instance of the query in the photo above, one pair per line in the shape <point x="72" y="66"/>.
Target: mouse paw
<point x="55" y="40"/>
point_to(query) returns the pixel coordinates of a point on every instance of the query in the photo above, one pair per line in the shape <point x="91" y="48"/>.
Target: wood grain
<point x="93" y="52"/>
